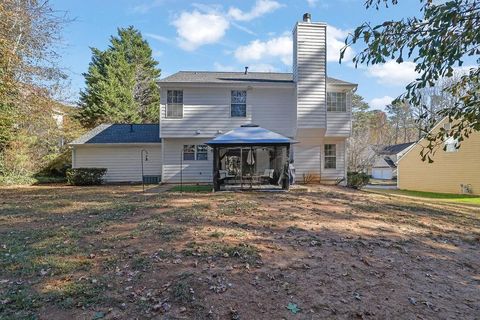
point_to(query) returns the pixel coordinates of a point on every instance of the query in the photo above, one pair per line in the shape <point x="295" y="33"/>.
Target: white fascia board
<point x="168" y="85"/>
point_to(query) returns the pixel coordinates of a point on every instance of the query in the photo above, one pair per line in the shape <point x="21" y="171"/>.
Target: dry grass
<point x="108" y="252"/>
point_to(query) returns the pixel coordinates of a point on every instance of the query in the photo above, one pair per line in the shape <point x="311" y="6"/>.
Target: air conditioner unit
<point x="466" y="188"/>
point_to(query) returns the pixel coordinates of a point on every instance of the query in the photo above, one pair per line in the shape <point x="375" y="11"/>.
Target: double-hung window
<point x="188" y="152"/>
<point x="195" y="152"/>
<point x="174" y="104"/>
<point x="238" y="107"/>
<point x="330" y="156"/>
<point x="449" y="142"/>
<point x="336" y="101"/>
<point x="202" y="152"/>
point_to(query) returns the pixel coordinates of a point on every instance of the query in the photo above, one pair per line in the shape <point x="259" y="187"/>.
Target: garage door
<point x="123" y="163"/>
<point x="382" y="173"/>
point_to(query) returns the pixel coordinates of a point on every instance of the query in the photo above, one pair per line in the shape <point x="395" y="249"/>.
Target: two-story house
<point x="306" y="107"/>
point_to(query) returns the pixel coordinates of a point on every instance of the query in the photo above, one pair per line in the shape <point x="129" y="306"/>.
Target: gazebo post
<point x="216" y="184"/>
<point x="286" y="183"/>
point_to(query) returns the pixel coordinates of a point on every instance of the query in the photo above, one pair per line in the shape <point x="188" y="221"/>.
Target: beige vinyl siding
<point x="310" y="74"/>
<point x="122" y="162"/>
<point x="192" y="170"/>
<point x="448" y="171"/>
<point x="339" y="124"/>
<point x="207" y="110"/>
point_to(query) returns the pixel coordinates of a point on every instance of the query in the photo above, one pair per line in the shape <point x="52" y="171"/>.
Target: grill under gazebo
<point x="250" y="157"/>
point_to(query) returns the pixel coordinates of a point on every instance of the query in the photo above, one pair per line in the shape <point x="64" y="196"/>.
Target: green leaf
<point x="98" y="315"/>
<point x="293" y="308"/>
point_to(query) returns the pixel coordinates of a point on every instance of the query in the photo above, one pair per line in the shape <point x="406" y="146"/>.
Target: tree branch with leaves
<point x="441" y="40"/>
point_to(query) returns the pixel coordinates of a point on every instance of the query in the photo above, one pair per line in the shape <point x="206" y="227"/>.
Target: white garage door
<point x="382" y="173"/>
<point x="123" y="163"/>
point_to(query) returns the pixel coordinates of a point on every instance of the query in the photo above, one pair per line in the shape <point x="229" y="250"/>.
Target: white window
<point x="238" y="107"/>
<point x="451" y="144"/>
<point x="195" y="152"/>
<point x="330" y="156"/>
<point x="174" y="104"/>
<point x="336" y="101"/>
<point x="202" y="152"/>
<point x="188" y="152"/>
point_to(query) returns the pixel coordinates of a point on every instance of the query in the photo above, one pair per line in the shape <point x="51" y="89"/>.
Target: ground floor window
<point x="195" y="152"/>
<point x="330" y="156"/>
<point x="189" y="152"/>
<point x="202" y="152"/>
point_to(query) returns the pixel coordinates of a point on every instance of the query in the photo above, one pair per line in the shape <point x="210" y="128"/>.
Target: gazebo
<point x="250" y="157"/>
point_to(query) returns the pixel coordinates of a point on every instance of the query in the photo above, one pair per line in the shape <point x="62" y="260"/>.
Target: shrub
<point x="57" y="166"/>
<point x="309" y="178"/>
<point x="85" y="176"/>
<point x="357" y="180"/>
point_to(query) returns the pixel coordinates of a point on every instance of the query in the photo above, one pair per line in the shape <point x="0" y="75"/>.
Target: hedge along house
<point x="122" y="149"/>
<point x="250" y="156"/>
<point x="197" y="106"/>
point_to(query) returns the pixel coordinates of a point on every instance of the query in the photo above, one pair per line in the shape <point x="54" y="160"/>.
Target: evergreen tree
<point x="121" y="82"/>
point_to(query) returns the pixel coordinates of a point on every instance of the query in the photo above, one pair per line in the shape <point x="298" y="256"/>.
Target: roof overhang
<point x="286" y="85"/>
<point x="130" y="144"/>
<point x="250" y="135"/>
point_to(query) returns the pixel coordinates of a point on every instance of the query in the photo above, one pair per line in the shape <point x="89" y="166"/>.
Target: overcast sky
<point x="228" y="35"/>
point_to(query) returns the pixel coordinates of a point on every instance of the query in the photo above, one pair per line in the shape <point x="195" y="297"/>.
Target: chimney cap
<point x="307" y="17"/>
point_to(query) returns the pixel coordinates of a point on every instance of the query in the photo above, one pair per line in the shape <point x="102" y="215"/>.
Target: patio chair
<point x="267" y="175"/>
<point x="224" y="175"/>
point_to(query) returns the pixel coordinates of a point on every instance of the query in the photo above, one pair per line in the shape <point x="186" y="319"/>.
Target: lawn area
<point x="460" y="198"/>
<point x="110" y="252"/>
<point x="192" y="188"/>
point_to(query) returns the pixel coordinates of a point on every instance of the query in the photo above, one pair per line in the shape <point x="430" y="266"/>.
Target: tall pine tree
<point x="121" y="82"/>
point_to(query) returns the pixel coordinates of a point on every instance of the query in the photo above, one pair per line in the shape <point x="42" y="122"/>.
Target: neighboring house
<point x="305" y="106"/>
<point x="452" y="171"/>
<point x="385" y="165"/>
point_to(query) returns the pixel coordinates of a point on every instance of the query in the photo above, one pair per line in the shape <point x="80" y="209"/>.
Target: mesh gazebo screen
<point x="250" y="157"/>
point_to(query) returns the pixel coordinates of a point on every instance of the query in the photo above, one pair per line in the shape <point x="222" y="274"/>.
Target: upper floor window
<point x="336" y="101"/>
<point x="238" y="103"/>
<point x="174" y="104"/>
<point x="330" y="156"/>
<point x="450" y="143"/>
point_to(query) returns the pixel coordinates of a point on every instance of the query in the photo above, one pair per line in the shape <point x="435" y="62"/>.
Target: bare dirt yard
<point x="110" y="253"/>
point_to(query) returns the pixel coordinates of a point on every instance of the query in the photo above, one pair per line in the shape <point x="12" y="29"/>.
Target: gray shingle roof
<point x="237" y="77"/>
<point x="396" y="148"/>
<point x="121" y="133"/>
<point x="390" y="162"/>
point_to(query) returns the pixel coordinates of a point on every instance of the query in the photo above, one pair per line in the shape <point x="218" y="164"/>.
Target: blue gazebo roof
<point x="250" y="135"/>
